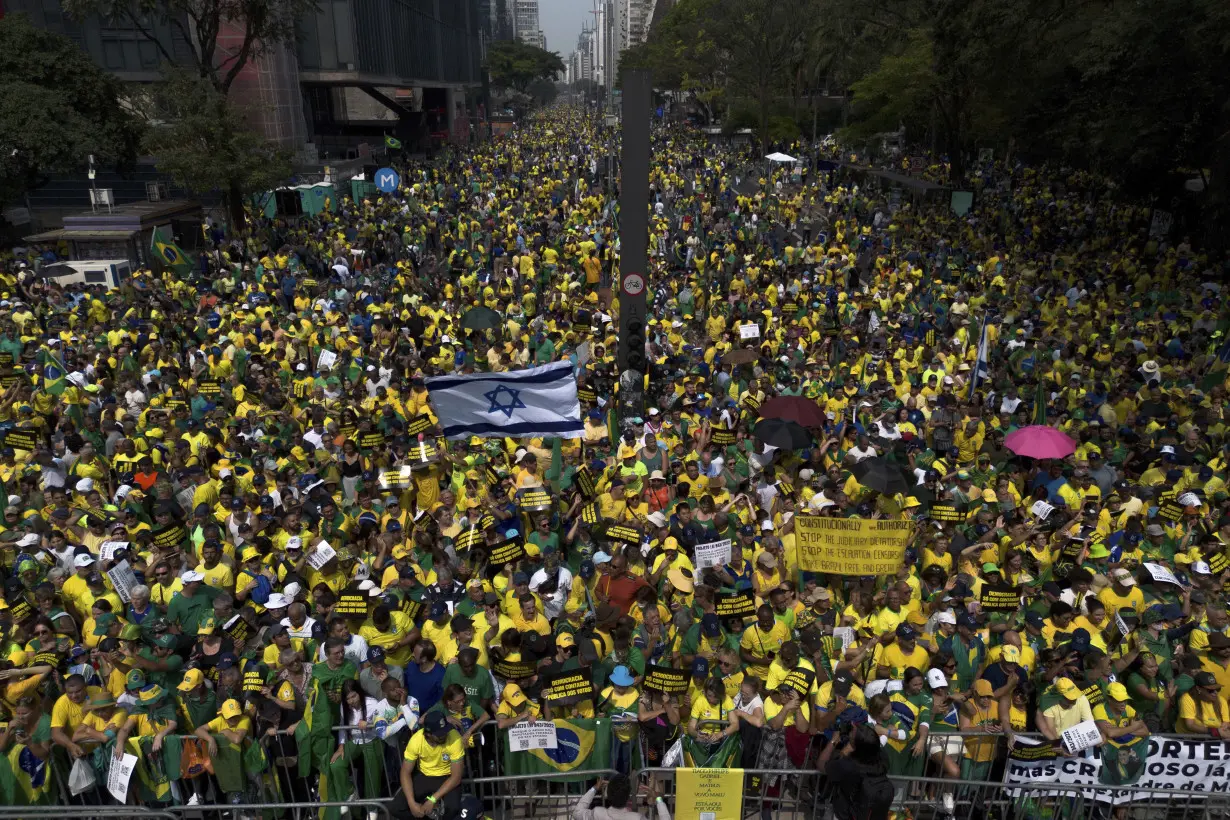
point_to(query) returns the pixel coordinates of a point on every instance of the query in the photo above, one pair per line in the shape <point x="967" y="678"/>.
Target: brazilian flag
<point x="171" y="256"/>
<point x="724" y="755"/>
<point x="584" y="746"/>
<point x="392" y="143"/>
<point x="1123" y="760"/>
<point x="53" y="371"/>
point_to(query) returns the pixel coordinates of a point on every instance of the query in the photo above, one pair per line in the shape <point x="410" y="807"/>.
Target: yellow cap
<point x="231" y="709"/>
<point x="1068" y="689"/>
<point x="249" y="553"/>
<point x="1118" y="692"/>
<point x="192" y="679"/>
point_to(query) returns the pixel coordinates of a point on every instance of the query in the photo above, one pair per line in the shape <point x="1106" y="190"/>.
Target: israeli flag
<point x="541" y="401"/>
<point x="982" y="365"/>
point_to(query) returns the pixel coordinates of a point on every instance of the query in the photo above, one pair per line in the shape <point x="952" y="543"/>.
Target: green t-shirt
<point x="188" y="613"/>
<point x="478" y="688"/>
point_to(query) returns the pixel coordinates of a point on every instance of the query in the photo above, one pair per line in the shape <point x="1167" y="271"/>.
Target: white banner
<point x="749" y="331"/>
<point x="1115" y="774"/>
<point x="118" y="775"/>
<point x="525" y="736"/>
<point x="123" y="579"/>
<point x="107" y="550"/>
<point x="1161" y="574"/>
<point x="713" y="554"/>
<point x="321" y="555"/>
<point x="326" y="360"/>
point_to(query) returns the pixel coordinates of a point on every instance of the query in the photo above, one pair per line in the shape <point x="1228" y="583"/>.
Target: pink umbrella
<point x="1040" y="441"/>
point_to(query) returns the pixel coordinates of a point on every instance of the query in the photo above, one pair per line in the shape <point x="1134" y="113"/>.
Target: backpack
<point x="260" y="594"/>
<point x="875" y="799"/>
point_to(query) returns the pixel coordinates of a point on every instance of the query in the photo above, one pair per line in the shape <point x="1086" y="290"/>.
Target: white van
<point x="106" y="272"/>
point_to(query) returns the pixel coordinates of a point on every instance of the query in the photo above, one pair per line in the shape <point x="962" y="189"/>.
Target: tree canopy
<point x="56" y="109"/>
<point x="1134" y="90"/>
<point x="515" y="65"/>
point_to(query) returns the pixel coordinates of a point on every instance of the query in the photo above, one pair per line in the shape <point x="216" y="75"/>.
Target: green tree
<point x="56" y="108"/>
<point x="205" y="145"/>
<point x="224" y="154"/>
<point x="515" y="65"/>
<point x="264" y="23"/>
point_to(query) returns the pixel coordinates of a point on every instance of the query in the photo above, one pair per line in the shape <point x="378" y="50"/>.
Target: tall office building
<point x="526" y="27"/>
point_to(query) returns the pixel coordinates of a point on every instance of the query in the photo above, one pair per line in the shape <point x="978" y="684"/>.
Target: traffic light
<point x="636" y="346"/>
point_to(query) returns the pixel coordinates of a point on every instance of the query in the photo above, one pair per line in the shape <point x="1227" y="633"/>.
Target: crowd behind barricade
<point x="256" y="569"/>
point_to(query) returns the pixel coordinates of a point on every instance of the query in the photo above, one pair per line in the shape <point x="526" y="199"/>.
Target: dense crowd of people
<point x="243" y="562"/>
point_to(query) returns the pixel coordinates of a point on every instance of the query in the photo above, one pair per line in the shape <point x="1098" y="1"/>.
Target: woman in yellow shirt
<point x="715" y="708"/>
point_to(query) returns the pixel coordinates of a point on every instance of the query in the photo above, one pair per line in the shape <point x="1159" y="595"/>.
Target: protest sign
<point x="801" y="680"/>
<point x="418" y="424"/>
<point x="709" y="794"/>
<point x="397" y="479"/>
<point x="721" y="436"/>
<point x="1119" y="773"/>
<point x="1161" y="575"/>
<point x="627" y="535"/>
<point x="1084" y="735"/>
<point x="735" y="603"/>
<point x="514" y="670"/>
<point x="845" y="634"/>
<point x="209" y="387"/>
<point x="21" y="439"/>
<point x="412" y="608"/>
<point x="507" y="551"/>
<point x="123" y="579"/>
<point x="107" y="550"/>
<point x="999" y="598"/>
<point x="326" y="359"/>
<point x="713" y="554"/>
<point x="584" y="481"/>
<point x="469" y="539"/>
<point x="370" y="439"/>
<point x="352" y="603"/>
<point x="169" y="537"/>
<point x="237" y="628"/>
<point x="568" y="684"/>
<point x="538" y="735"/>
<point x="665" y="679"/>
<point x="321" y="555"/>
<point x="749" y="331"/>
<point x="945" y="512"/>
<point x="851" y="546"/>
<point x="253" y="678"/>
<point x="119" y="773"/>
<point x="1170" y="510"/>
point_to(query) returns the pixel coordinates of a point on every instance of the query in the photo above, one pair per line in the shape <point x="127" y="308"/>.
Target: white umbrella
<point x="778" y="156"/>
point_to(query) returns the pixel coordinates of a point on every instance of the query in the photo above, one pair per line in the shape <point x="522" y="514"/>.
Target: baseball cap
<point x="226" y="660"/>
<point x="231" y="709"/>
<point x="936" y="679"/>
<point x="375" y="655"/>
<point x="710" y="626"/>
<point x="1118" y="692"/>
<point x="1068" y="689"/>
<point x="906" y="632"/>
<point x="1205" y="679"/>
<point x="1202" y="568"/>
<point x="1011" y="654"/>
<point x="83" y="560"/>
<point x="564" y="640"/>
<point x="1124" y="576"/>
<point x="842" y="682"/>
<point x="946" y="618"/>
<point x="191" y="576"/>
<point x="192" y="679"/>
<point x="700" y="667"/>
<point x="435" y="725"/>
<point x="470" y="807"/>
<point x="983" y="688"/>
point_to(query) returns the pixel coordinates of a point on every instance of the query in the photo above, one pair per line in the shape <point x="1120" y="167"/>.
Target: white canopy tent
<point x="778" y="156"/>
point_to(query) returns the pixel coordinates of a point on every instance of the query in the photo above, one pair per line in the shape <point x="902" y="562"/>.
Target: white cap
<point x="946" y="618"/>
<point x="223" y="473"/>
<point x="601" y="558"/>
<point x="1166" y="448"/>
<point x="122" y="491"/>
<point x="366" y="585"/>
<point x="766" y="525"/>
<point x="520" y="455"/>
<point x="82" y="560"/>
<point x="1189" y="500"/>
<point x="291" y="590"/>
<point x="277" y="601"/>
<point x="375" y="592"/>
<point x="1124" y="577"/>
<point x="874" y="688"/>
<point x="948" y="380"/>
<point x="294" y="543"/>
<point x="657" y="519"/>
<point x="192" y="575"/>
<point x="805" y="474"/>
<point x="29" y="540"/>
<point x="85" y="485"/>
<point x="653" y="411"/>
<point x="301" y="367"/>
<point x="445" y="339"/>
<point x="936" y="679"/>
<point x="1202" y="568"/>
<point x="14" y="501"/>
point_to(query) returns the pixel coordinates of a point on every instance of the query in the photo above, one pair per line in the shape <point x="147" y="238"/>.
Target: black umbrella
<point x="782" y="434"/>
<point x="881" y="475"/>
<point x="480" y="318"/>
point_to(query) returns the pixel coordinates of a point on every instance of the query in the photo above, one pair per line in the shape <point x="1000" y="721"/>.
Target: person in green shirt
<point x="159" y="662"/>
<point x="474" y="679"/>
<point x="706" y="639"/>
<point x="193" y="604"/>
<point x="197" y="702"/>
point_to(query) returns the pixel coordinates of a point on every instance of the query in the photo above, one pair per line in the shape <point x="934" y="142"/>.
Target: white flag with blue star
<point x="541" y="401"/>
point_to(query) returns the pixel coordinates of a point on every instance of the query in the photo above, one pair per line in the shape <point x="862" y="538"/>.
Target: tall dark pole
<point x="633" y="241"/>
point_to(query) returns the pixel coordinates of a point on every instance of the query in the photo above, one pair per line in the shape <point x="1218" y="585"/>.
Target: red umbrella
<point x="1040" y="441"/>
<point x="794" y="408"/>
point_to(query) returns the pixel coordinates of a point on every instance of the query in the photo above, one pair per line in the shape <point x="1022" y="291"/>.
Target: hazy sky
<point x="561" y="22"/>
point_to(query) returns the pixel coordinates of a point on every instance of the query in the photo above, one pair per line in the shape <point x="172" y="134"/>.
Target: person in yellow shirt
<point x="902" y="653"/>
<point x="101" y="716"/>
<point x="527" y="618"/>
<point x="392" y="631"/>
<point x="710" y="712"/>
<point x="1202" y="709"/>
<point x="68" y="713"/>
<point x="231" y="724"/>
<point x="1122" y="593"/>
<point x="762" y="641"/>
<point x="431" y="770"/>
<point x="217" y="574"/>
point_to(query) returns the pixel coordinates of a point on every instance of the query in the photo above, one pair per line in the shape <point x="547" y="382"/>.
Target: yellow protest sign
<point x="709" y="794"/>
<point x="851" y="546"/>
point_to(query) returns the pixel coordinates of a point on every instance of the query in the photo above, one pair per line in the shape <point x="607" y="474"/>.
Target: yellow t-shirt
<point x="435" y="761"/>
<point x="399" y="626"/>
<point x="772" y="708"/>
<point x="219" y="723"/>
<point x="703" y="710"/>
<point x="763" y="644"/>
<point x="67" y="715"/>
<point x="1206" y="714"/>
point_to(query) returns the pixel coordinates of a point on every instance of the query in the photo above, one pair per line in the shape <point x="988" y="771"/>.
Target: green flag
<point x="170" y="255"/>
<point x="392" y="143"/>
<point x="584" y="746"/>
